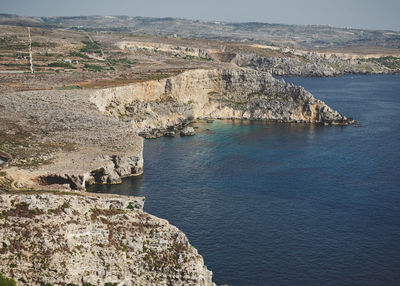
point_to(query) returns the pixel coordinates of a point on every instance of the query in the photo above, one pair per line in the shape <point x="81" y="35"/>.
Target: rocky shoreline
<point x="155" y="108"/>
<point x="312" y="65"/>
<point x="63" y="140"/>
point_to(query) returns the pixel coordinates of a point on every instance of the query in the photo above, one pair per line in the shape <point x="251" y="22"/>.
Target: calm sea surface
<point x="288" y="204"/>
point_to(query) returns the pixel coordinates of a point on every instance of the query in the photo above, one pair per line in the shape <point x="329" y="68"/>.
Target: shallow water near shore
<point x="288" y="204"/>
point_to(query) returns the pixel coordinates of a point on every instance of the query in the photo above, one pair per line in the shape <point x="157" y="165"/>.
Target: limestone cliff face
<point x="166" y="48"/>
<point x="294" y="66"/>
<point x="91" y="166"/>
<point x="217" y="93"/>
<point x="313" y="65"/>
<point x="61" y="239"/>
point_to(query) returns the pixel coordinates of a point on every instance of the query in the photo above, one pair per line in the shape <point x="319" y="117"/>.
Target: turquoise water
<point x="288" y="204"/>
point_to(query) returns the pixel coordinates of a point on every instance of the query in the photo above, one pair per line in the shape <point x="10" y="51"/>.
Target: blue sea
<point x="288" y="204"/>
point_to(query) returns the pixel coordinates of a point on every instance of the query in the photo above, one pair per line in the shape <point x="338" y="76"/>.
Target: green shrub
<point x="7" y="281"/>
<point x="189" y="57"/>
<point x="95" y="67"/>
<point x="39" y="44"/>
<point x="124" y="61"/>
<point x="389" y="61"/>
<point x="68" y="87"/>
<point x="78" y="54"/>
<point x="60" y="65"/>
<point x="111" y="284"/>
<point x="158" y="76"/>
<point x="205" y="59"/>
<point x="90" y="48"/>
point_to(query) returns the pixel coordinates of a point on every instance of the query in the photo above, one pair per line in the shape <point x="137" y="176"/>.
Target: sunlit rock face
<point x="215" y="93"/>
<point x="61" y="239"/>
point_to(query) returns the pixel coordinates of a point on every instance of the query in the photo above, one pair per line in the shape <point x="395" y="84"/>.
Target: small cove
<point x="288" y="204"/>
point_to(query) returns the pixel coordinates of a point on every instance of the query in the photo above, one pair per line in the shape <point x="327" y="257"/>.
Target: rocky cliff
<point x="154" y="107"/>
<point x="174" y="50"/>
<point x="311" y="64"/>
<point x="60" y="239"/>
<point x="60" y="138"/>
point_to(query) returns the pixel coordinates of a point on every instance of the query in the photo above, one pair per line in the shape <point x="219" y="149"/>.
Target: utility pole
<point x="30" y="49"/>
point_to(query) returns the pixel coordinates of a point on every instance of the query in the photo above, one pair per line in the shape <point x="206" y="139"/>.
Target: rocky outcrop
<point x="4" y="158"/>
<point x="97" y="239"/>
<point x="157" y="106"/>
<point x="293" y="66"/>
<point x="322" y="66"/>
<point x="188" y="131"/>
<point x="104" y="169"/>
<point x="66" y="141"/>
<point x="174" y="50"/>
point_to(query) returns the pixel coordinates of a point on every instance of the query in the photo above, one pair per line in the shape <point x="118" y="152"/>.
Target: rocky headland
<point x="63" y="140"/>
<point x="312" y="64"/>
<point x="156" y="107"/>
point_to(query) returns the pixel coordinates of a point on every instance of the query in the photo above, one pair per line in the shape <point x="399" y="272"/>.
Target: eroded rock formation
<point x="61" y="239"/>
<point x="153" y="107"/>
<point x="319" y="66"/>
<point x="66" y="141"/>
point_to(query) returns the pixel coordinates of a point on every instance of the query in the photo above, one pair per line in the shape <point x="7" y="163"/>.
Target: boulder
<point x="188" y="131"/>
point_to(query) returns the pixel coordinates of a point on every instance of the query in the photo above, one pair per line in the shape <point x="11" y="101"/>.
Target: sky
<point x="365" y="14"/>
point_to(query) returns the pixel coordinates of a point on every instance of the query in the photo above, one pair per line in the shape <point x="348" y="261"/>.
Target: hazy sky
<point x="369" y="14"/>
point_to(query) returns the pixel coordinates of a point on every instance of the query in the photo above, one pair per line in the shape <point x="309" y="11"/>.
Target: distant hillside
<point x="310" y="36"/>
